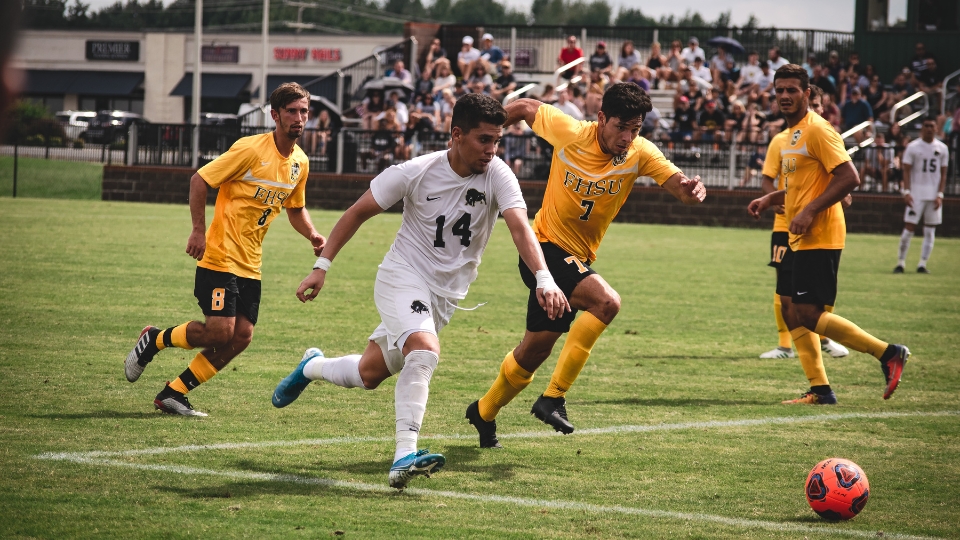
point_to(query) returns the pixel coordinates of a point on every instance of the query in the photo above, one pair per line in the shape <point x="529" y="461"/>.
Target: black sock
<point x="821" y="390"/>
<point x="888" y="354"/>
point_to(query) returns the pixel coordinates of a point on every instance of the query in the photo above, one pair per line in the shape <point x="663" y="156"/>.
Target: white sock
<point x="905" y="238"/>
<point x="410" y="398"/>
<point x="927" y="247"/>
<point x="343" y="371"/>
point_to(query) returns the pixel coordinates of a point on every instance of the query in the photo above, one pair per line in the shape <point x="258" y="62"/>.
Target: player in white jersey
<point x="451" y="200"/>
<point x="924" y="178"/>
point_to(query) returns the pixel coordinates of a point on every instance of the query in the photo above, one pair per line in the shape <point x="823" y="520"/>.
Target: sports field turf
<point x="680" y="430"/>
<point x="51" y="178"/>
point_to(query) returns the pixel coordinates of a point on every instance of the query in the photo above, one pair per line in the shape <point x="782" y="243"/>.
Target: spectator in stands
<point x="929" y="81"/>
<point x="390" y="116"/>
<point x="600" y="61"/>
<point x="447" y="101"/>
<point x="690" y="89"/>
<point x="854" y="112"/>
<point x="395" y="101"/>
<point x="877" y="160"/>
<point x="918" y="64"/>
<point x="629" y="57"/>
<point x="822" y="79"/>
<point x="710" y="122"/>
<point x="853" y="64"/>
<point x="467" y="56"/>
<point x="735" y="120"/>
<point x="657" y="64"/>
<point x="592" y="100"/>
<point x="765" y="85"/>
<point x="675" y="61"/>
<point x="692" y="50"/>
<point x="775" y="60"/>
<point x="308" y="142"/>
<point x="399" y="71"/>
<point x="516" y="145"/>
<point x="549" y="94"/>
<point x="701" y="71"/>
<point x="834" y="68"/>
<point x="428" y="111"/>
<point x="852" y="80"/>
<point x="434" y="52"/>
<point x="324" y="130"/>
<point x="651" y="123"/>
<point x="491" y="55"/>
<point x="876" y="96"/>
<point x="423" y="86"/>
<point x="460" y="90"/>
<point x="831" y="113"/>
<point x="810" y="64"/>
<point x="479" y="81"/>
<point x="568" y="54"/>
<point x="566" y="105"/>
<point x="731" y="74"/>
<point x="752" y="123"/>
<point x="750" y="74"/>
<point x="372" y="106"/>
<point x="684" y="121"/>
<point x="444" y="76"/>
<point x="505" y="83"/>
<point x="718" y="64"/>
<point x="775" y="121"/>
<point x="754" y="164"/>
<point x="637" y="78"/>
<point x="383" y="146"/>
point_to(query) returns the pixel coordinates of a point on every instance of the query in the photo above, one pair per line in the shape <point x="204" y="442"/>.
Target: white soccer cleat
<point x="778" y="353"/>
<point x="833" y="348"/>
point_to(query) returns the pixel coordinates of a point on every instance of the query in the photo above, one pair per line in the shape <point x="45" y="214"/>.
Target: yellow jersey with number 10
<point x="255" y="180"/>
<point x="587" y="187"/>
<point x="812" y="150"/>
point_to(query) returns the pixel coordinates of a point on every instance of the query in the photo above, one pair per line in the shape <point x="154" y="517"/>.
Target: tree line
<point x="347" y="16"/>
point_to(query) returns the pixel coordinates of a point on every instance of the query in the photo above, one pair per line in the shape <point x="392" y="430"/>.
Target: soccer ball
<point x="837" y="489"/>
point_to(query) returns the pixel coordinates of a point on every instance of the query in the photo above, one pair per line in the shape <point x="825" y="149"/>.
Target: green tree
<point x="633" y="17"/>
<point x="595" y="13"/>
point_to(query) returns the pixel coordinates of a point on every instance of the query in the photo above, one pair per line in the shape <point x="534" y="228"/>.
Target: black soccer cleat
<point x="922" y="270"/>
<point x="142" y="353"/>
<point x="898" y="269"/>
<point x="172" y="402"/>
<point x="487" y="430"/>
<point x="553" y="412"/>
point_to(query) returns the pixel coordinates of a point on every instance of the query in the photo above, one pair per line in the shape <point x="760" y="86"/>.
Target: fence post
<point x="583" y="39"/>
<point x="732" y="170"/>
<point x="513" y="45"/>
<point x="656" y="35"/>
<point x="340" y="90"/>
<point x="132" y="144"/>
<point x="16" y="151"/>
<point x="413" y="54"/>
<point x="340" y="142"/>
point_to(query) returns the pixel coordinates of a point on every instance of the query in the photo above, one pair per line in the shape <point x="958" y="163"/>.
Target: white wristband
<point x="939" y="194"/>
<point x="904" y="191"/>
<point x="545" y="280"/>
<point x="322" y="263"/>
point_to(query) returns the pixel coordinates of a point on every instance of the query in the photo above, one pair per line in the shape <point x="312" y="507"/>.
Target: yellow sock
<point x="839" y="329"/>
<point x="783" y="333"/>
<point x="808" y="349"/>
<point x="198" y="372"/>
<point x="510" y="382"/>
<point x="583" y="334"/>
<point x="175" y="336"/>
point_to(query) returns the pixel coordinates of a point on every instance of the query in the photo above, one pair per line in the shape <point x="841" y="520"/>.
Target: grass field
<point x="680" y="428"/>
<point x="50" y="178"/>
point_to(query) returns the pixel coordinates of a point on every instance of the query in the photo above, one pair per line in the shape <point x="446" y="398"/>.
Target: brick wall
<point x="870" y="213"/>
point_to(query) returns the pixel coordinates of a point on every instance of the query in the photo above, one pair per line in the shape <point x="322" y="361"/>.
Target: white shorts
<point x="406" y="305"/>
<point x="931" y="217"/>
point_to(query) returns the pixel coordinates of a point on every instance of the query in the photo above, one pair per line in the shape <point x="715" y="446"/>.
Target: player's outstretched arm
<point x="845" y="179"/>
<point x="301" y="222"/>
<point x="197" y="241"/>
<point x="688" y="191"/>
<point x="365" y="208"/>
<point x="551" y="298"/>
<point x="522" y="109"/>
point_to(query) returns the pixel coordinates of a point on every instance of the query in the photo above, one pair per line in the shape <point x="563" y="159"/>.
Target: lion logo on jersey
<point x="796" y="137"/>
<point x="474" y="196"/>
<point x="294" y="172"/>
<point x="620" y="159"/>
<point x="419" y="307"/>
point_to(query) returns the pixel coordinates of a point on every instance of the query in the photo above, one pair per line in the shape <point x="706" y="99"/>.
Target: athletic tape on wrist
<point x="322" y="263"/>
<point x="545" y="280"/>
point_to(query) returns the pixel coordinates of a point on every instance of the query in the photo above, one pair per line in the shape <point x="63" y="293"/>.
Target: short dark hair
<point x="473" y="109"/>
<point x="929" y="118"/>
<point x="793" y="71"/>
<point x="816" y="91"/>
<point x="285" y="93"/>
<point x="625" y="101"/>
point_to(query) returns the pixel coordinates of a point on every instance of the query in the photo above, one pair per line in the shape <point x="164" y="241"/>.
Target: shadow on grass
<point x="687" y="357"/>
<point x="96" y="414"/>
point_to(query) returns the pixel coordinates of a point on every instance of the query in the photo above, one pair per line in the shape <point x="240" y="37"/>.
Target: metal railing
<point x="943" y="92"/>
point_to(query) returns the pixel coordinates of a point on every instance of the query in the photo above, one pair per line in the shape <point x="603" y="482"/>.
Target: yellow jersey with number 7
<point x="587" y="187"/>
<point x="255" y="181"/>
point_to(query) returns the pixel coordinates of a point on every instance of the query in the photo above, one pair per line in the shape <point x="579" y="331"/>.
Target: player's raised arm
<point x="551" y="298"/>
<point x="365" y="208"/>
<point x="688" y="191"/>
<point x="522" y="109"/>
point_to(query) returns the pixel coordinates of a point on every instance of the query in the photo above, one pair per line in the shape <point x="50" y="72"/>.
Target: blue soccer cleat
<point x="293" y="384"/>
<point x="413" y="464"/>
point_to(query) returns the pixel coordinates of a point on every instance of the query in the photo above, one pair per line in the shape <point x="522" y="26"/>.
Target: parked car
<point x="218" y="131"/>
<point x="110" y="126"/>
<point x="75" y="122"/>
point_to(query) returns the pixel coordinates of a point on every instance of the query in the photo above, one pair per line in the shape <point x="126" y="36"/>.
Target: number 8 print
<point x="217" y="303"/>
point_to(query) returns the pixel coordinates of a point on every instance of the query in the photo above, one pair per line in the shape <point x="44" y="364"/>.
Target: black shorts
<point x="779" y="246"/>
<point x="222" y="294"/>
<point x="812" y="278"/>
<point x="567" y="271"/>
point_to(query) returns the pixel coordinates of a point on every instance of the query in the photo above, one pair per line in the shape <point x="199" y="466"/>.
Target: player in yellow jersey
<point x="817" y="174"/>
<point x="595" y="165"/>
<point x="779" y="241"/>
<point x="257" y="177"/>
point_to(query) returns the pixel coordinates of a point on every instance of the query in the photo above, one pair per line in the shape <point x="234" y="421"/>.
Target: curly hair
<point x="793" y="71"/>
<point x="625" y="101"/>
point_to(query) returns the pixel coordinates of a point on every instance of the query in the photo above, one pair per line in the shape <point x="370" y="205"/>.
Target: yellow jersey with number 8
<point x="587" y="187"/>
<point x="255" y="181"/>
<point x="812" y="150"/>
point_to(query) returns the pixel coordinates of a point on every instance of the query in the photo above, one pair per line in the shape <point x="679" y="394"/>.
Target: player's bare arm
<point x="845" y="179"/>
<point x="758" y="206"/>
<point x="687" y="190"/>
<point x="551" y="298"/>
<point x="522" y="109"/>
<point x="365" y="208"/>
<point x="943" y="185"/>
<point x="300" y="221"/>
<point x="907" y="197"/>
<point x="197" y="241"/>
<point x="767" y="186"/>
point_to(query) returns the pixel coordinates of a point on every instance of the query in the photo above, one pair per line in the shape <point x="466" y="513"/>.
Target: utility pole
<point x="197" y="74"/>
<point x="265" y="37"/>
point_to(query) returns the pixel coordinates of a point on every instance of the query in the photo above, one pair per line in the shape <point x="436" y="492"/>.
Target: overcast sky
<point x="816" y="14"/>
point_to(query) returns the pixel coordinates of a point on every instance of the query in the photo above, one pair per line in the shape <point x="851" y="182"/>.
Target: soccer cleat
<point x="553" y="412"/>
<point x="487" y="430"/>
<point x="142" y="353"/>
<point x="172" y="402"/>
<point x="414" y="464"/>
<point x="293" y="384"/>
<point x="778" y="353"/>
<point x="833" y="348"/>
<point x="812" y="398"/>
<point x="922" y="270"/>
<point x="898" y="269"/>
<point x="893" y="369"/>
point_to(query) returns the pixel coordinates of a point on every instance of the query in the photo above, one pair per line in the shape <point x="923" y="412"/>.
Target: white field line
<point x="774" y="420"/>
<point x="516" y="501"/>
